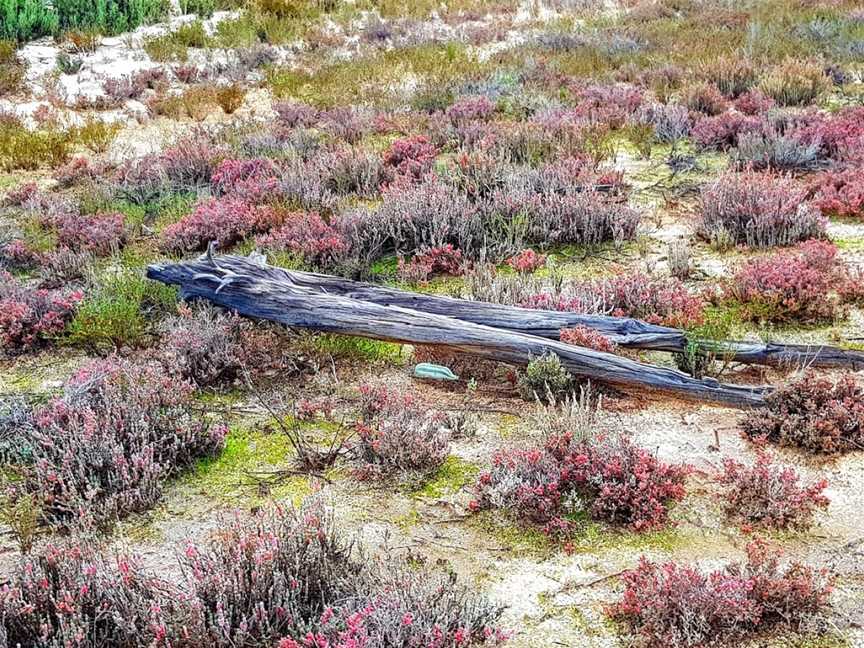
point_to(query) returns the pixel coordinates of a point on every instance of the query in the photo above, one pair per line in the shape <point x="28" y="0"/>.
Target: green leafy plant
<point x="23" y="20"/>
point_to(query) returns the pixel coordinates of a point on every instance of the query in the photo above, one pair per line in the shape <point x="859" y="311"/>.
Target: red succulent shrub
<point x="678" y="606"/>
<point x="840" y="193"/>
<point x="588" y="338"/>
<point x="29" y="317"/>
<point x="770" y="496"/>
<point x="656" y="300"/>
<point x="527" y="261"/>
<point x="308" y="236"/>
<point x="226" y="220"/>
<point x="444" y="259"/>
<point x="617" y="480"/>
<point x="99" y="234"/>
<point x="103" y="449"/>
<point x="814" y="412"/>
<point x="411" y="157"/>
<point x="721" y="132"/>
<point x="398" y="433"/>
<point x="788" y="286"/>
<point x="754" y="102"/>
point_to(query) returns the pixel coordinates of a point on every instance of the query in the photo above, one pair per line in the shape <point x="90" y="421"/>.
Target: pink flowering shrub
<point x="236" y="176"/>
<point x="102" y="450"/>
<point x="72" y="590"/>
<point x="99" y="234"/>
<point x="660" y="300"/>
<point x="398" y="433"/>
<point x="226" y="220"/>
<point x="191" y="162"/>
<point x="758" y="209"/>
<point x="613" y="478"/>
<point x="677" y="606"/>
<point x="840" y="193"/>
<point x="411" y="157"/>
<point x="588" y="338"/>
<point x="527" y="261"/>
<point x="30" y="318"/>
<point x="754" y="102"/>
<point x="788" y="286"/>
<point x="721" y="132"/>
<point x="288" y="578"/>
<point x="308" y="236"/>
<point x="467" y="109"/>
<point x="767" y="495"/>
<point x="814" y="412"/>
<point x="18" y="255"/>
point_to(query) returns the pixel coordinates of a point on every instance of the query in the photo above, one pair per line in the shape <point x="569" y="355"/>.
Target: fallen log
<point x="263" y="294"/>
<point x="624" y="331"/>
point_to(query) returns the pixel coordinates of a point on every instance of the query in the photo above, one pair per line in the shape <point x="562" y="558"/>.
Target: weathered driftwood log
<point x="623" y="331"/>
<point x="262" y="294"/>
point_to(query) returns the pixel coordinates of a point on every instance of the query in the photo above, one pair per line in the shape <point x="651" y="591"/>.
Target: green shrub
<point x="11" y="71"/>
<point x="23" y="20"/>
<point x="24" y="149"/>
<point x="544" y="377"/>
<point x="116" y="309"/>
<point x="201" y="8"/>
<point x="109" y="16"/>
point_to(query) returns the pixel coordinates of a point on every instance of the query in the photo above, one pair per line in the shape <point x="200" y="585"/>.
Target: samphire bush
<point x="398" y="433"/>
<point x="758" y="209"/>
<point x="814" y="412"/>
<point x="608" y="477"/>
<point x="770" y="496"/>
<point x="31" y="318"/>
<point x="678" y="606"/>
<point x="103" y="449"/>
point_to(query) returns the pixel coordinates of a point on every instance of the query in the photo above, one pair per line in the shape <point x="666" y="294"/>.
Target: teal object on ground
<point x="433" y="372"/>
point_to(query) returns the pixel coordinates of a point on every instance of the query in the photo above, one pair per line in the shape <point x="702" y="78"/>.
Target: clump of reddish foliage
<point x="840" y="193"/>
<point x="444" y="259"/>
<point x="813" y="412"/>
<point x="754" y="102"/>
<point x="721" y="132"/>
<point x="309" y="236"/>
<point x="790" y="286"/>
<point x="17" y="255"/>
<point x="770" y="496"/>
<point x="656" y="300"/>
<point x="213" y="349"/>
<point x="467" y="109"/>
<point x="72" y="590"/>
<point x="225" y="220"/>
<point x="281" y="577"/>
<point x="30" y="318"/>
<point x="758" y="209"/>
<point x="527" y="261"/>
<point x="411" y="157"/>
<point x="102" y="450"/>
<point x="398" y="433"/>
<point x="678" y="606"/>
<point x="617" y="480"/>
<point x="99" y="234"/>
<point x="587" y="337"/>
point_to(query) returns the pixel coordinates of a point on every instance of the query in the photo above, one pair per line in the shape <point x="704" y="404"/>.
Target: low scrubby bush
<point x="588" y="338"/>
<point x="18" y="255"/>
<point x="840" y="193"/>
<point x="226" y="220"/>
<point x="722" y="132"/>
<point x="31" y="318"/>
<point x="768" y="149"/>
<point x="23" y="20"/>
<point x="411" y="157"/>
<point x="527" y="261"/>
<point x="544" y="377"/>
<point x="98" y="234"/>
<point x="754" y="102"/>
<point x="102" y="450"/>
<point x="790" y="286"/>
<point x="758" y="209"/>
<point x="813" y="412"/>
<point x="608" y="477"/>
<point x="704" y="98"/>
<point x="398" y="434"/>
<point x="307" y="235"/>
<point x="678" y="606"/>
<point x="108" y="16"/>
<point x="795" y="83"/>
<point x="768" y="495"/>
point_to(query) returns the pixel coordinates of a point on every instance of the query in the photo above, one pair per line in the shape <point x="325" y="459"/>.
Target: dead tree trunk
<point x="255" y="290"/>
<point x="623" y="331"/>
